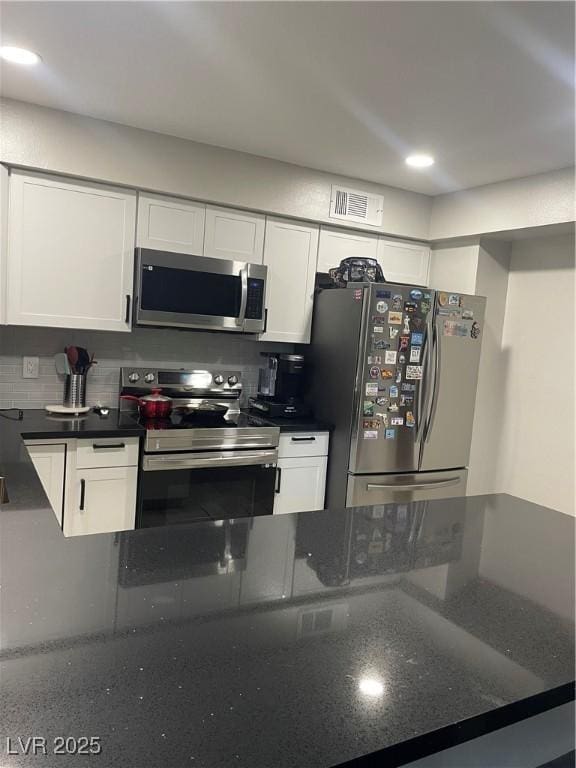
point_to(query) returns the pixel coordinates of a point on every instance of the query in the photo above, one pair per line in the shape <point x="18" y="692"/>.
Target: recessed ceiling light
<point x="19" y="55"/>
<point x="420" y="161"/>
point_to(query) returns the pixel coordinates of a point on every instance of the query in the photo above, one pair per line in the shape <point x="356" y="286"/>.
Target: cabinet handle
<point x="98" y="447"/>
<point x="303" y="439"/>
<point x="82" y="493"/>
<point x="128" y="303"/>
<point x="278" y="479"/>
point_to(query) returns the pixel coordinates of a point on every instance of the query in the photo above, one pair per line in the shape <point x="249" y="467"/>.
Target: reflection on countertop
<point x="305" y="639"/>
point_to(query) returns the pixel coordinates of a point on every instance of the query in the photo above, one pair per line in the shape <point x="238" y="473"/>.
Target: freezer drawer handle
<point x="98" y="447"/>
<point x="415" y="486"/>
<point x="303" y="439"/>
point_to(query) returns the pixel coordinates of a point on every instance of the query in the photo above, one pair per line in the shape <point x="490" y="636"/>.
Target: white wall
<point x="453" y="266"/>
<point x="61" y="142"/>
<point x="536" y="460"/>
<point x="534" y="201"/>
<point x="492" y="282"/>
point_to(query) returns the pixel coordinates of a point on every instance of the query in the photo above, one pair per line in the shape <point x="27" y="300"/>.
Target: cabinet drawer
<point x="107" y="452"/>
<point x="294" y="444"/>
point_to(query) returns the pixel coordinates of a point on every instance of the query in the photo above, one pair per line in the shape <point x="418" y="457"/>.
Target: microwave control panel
<point x="255" y="300"/>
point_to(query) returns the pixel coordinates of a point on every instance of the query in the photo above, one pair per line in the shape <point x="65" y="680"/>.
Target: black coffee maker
<point x="280" y="387"/>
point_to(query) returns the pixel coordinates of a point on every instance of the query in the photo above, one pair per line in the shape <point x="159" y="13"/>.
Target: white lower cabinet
<point x="301" y="484"/>
<point x="301" y="472"/>
<point x="50" y="463"/>
<point x="102" y="500"/>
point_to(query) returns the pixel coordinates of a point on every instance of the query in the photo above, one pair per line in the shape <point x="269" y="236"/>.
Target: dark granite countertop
<point x="23" y="485"/>
<point x="290" y="425"/>
<point x="303" y="640"/>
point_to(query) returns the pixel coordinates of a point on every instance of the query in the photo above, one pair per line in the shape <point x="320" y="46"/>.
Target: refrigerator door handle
<point x="435" y="389"/>
<point x="415" y="486"/>
<point x="425" y="386"/>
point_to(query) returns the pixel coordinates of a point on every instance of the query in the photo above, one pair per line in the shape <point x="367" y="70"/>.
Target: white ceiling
<point x="348" y="87"/>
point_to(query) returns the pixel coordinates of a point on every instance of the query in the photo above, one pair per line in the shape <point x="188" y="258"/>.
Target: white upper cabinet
<point x="233" y="234"/>
<point x="337" y="244"/>
<point x="170" y="224"/>
<point x="70" y="253"/>
<point x="290" y="254"/>
<point x="404" y="262"/>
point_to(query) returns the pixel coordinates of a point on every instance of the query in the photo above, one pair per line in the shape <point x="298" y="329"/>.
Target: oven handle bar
<point x="212" y="459"/>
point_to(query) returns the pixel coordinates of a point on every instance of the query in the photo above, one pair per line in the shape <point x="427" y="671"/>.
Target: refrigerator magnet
<point x="383" y="294"/>
<point x="475" y="331"/>
<point x="378" y="329"/>
<point x="467" y="314"/>
<point x="404" y="341"/>
<point x="382" y="418"/>
<point x="368" y="408"/>
<point x="393" y="332"/>
<point x="393" y="391"/>
<point x="415" y="354"/>
<point x="442" y="299"/>
<point x="410" y="421"/>
<point x="454" y="300"/>
<point x="370" y="424"/>
<point x="406" y="387"/>
<point x="382" y="401"/>
<point x="397" y="421"/>
<point x="390" y="434"/>
<point x="395" y="318"/>
<point x="390" y="357"/>
<point x="413" y="371"/>
<point x="406" y="325"/>
<point x="416" y="294"/>
<point x="406" y="399"/>
<point x="374" y="359"/>
<point x="374" y="372"/>
<point x="371" y="390"/>
<point x="424" y="307"/>
<point x="370" y="434"/>
<point x="393" y="407"/>
<point x="398" y="375"/>
<point x="386" y="374"/>
<point x="410" y="307"/>
<point x="397" y="301"/>
<point x="381" y="307"/>
<point x="417" y="339"/>
<point x="402" y="358"/>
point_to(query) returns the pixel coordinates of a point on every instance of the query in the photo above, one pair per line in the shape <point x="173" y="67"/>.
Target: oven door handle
<point x="212" y="459"/>
<point x="244" y="298"/>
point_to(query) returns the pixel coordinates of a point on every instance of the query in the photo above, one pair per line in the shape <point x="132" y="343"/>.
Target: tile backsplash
<point x="141" y="347"/>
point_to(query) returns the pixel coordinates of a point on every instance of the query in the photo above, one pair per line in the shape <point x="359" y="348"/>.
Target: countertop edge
<point x="448" y="736"/>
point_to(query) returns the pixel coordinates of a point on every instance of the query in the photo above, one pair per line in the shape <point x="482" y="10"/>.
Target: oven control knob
<point x="232" y="380"/>
<point x="149" y="378"/>
<point x="133" y="377"/>
<point x="219" y="379"/>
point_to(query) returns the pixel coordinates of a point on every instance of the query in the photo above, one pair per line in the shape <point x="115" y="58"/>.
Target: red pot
<point x="153" y="406"/>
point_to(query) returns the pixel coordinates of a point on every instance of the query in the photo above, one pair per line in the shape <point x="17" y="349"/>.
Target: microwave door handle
<point x="244" y="298"/>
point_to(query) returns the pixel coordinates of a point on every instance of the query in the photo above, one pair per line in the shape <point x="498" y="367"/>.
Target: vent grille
<point x="355" y="205"/>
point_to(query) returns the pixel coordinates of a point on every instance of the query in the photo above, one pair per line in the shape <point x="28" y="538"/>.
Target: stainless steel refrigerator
<point x="394" y="368"/>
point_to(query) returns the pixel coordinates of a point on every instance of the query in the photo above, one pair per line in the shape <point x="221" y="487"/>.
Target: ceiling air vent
<point x="356" y="206"/>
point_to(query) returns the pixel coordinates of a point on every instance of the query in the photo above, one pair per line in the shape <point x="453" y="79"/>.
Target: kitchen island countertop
<point x="303" y="640"/>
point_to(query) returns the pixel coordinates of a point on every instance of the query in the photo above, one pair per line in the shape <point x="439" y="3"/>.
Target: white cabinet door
<point x="170" y="224"/>
<point x="301" y="484"/>
<point x="50" y="464"/>
<point x="290" y="254"/>
<point x="70" y="253"/>
<point x="404" y="262"/>
<point x="337" y="244"/>
<point x="233" y="234"/>
<point x="101" y="500"/>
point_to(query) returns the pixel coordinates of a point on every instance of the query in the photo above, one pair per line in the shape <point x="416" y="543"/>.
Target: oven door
<point x="183" y="291"/>
<point x="216" y="485"/>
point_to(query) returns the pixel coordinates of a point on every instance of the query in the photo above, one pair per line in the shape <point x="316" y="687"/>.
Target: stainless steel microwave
<point x="182" y="291"/>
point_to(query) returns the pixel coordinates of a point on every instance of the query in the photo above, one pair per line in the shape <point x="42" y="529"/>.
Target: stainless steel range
<point x="205" y="461"/>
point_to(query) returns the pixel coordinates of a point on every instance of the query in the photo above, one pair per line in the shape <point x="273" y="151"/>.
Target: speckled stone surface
<point x="303" y="640"/>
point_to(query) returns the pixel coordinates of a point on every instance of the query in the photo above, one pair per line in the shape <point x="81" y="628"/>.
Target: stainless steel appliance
<point x="280" y="387"/>
<point x="206" y="461"/>
<point x="395" y="370"/>
<point x="183" y="291"/>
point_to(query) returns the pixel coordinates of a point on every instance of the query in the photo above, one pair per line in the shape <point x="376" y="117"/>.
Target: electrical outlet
<point x="30" y="367"/>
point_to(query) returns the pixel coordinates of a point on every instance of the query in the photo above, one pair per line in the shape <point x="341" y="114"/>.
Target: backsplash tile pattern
<point x="142" y="347"/>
